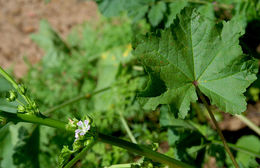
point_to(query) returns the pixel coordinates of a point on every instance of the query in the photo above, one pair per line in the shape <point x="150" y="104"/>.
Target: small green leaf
<point x="207" y="11"/>
<point x="175" y="8"/>
<point x="48" y="39"/>
<point x="111" y="8"/>
<point x="155" y="15"/>
<point x="138" y="9"/>
<point x="65" y="155"/>
<point x="168" y="120"/>
<point x="195" y="52"/>
<point x="245" y="159"/>
<point x="5" y="105"/>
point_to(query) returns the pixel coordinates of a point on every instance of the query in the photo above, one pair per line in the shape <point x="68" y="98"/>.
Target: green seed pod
<point x="21" y="109"/>
<point x="22" y="89"/>
<point x="155" y="146"/>
<point x="34" y="105"/>
<point x="11" y="96"/>
<point x="3" y="121"/>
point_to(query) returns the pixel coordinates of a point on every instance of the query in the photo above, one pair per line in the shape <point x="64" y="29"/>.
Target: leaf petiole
<point x="217" y="127"/>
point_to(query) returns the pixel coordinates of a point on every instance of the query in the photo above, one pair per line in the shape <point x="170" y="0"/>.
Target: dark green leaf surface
<point x="194" y="51"/>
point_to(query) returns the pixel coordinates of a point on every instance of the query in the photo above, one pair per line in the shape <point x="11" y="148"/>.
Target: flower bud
<point x="22" y="89"/>
<point x="21" y="109"/>
<point x="2" y="120"/>
<point x="12" y="95"/>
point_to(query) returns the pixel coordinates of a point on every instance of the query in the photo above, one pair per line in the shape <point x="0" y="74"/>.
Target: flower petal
<point x="88" y="127"/>
<point x="82" y="133"/>
<point x="86" y="122"/>
<point x="80" y="124"/>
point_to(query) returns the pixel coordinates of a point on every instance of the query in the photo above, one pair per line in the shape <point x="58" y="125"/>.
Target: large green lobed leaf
<point x="195" y="51"/>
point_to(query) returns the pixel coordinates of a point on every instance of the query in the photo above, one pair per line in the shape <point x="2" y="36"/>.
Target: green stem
<point x="128" y="165"/>
<point x="131" y="147"/>
<point x="80" y="155"/>
<point x="142" y="150"/>
<point x="14" y="84"/>
<point x="238" y="148"/>
<point x="34" y="119"/>
<point x="217" y="127"/>
<point x="249" y="123"/>
<point x="62" y="125"/>
<point x="128" y="131"/>
<point x="73" y="100"/>
<point x="8" y="78"/>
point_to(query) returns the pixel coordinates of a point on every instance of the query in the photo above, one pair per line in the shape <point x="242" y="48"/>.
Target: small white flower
<point x="83" y="128"/>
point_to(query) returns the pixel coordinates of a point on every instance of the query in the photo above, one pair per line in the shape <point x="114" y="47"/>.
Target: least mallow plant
<point x="196" y="58"/>
<point x="84" y="132"/>
<point x="192" y="59"/>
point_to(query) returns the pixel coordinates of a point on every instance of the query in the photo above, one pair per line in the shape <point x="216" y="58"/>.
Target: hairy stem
<point x="217" y="127"/>
<point x="62" y="125"/>
<point x="128" y="131"/>
<point x="80" y="155"/>
<point x="74" y="100"/>
<point x="249" y="123"/>
<point x="131" y="147"/>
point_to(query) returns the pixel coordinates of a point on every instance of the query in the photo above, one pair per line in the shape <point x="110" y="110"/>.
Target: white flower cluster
<point x="83" y="128"/>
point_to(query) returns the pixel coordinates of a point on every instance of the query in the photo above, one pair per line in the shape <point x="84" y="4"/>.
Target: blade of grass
<point x="249" y="123"/>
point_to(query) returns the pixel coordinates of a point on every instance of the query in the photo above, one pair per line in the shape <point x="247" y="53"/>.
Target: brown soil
<point x="20" y="18"/>
<point x="232" y="123"/>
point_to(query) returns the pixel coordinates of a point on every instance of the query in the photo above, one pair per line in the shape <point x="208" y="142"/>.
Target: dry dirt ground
<point x="20" y="18"/>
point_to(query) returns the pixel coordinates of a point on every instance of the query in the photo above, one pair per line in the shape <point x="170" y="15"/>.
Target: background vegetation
<point x="96" y="56"/>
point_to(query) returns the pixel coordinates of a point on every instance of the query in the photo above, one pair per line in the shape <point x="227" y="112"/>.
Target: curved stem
<point x="217" y="127"/>
<point x="128" y="131"/>
<point x="131" y="147"/>
<point x="8" y="78"/>
<point x="249" y="123"/>
<point x="73" y="100"/>
<point x="80" y="155"/>
<point x="142" y="150"/>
